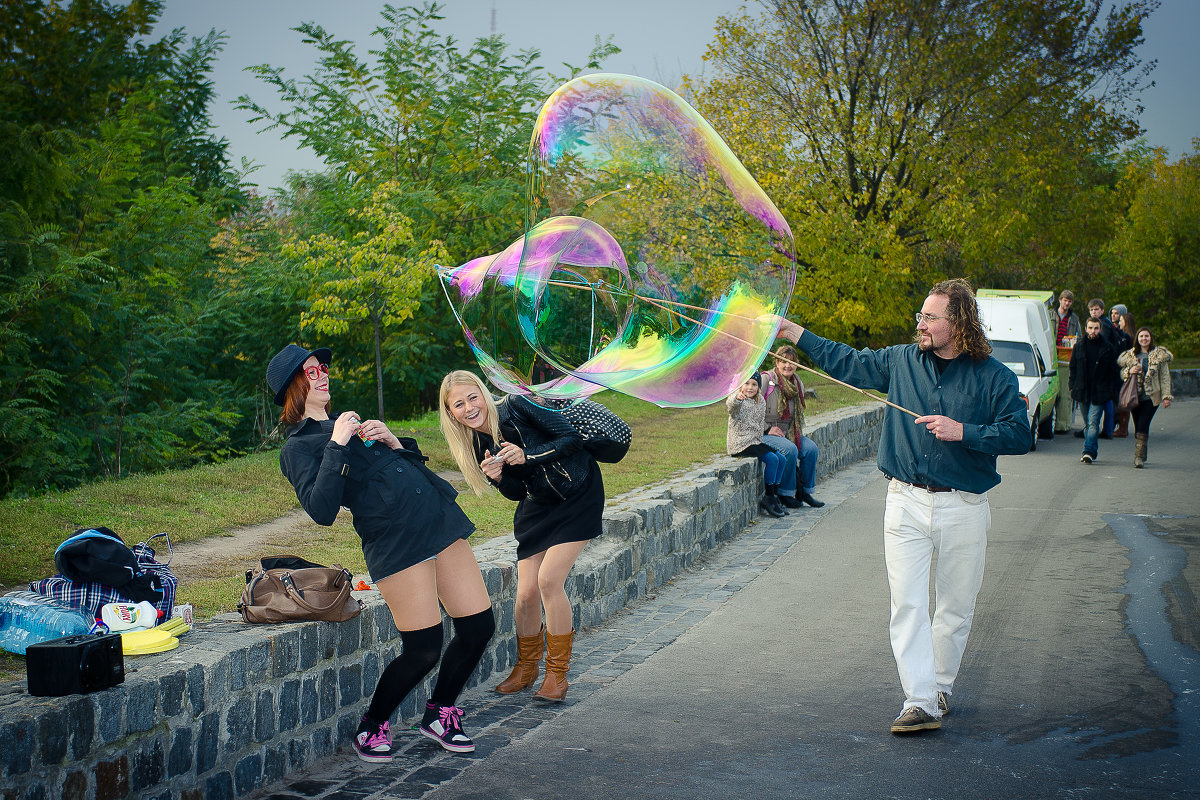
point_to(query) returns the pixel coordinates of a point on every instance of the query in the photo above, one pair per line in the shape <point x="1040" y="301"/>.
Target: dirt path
<point x="195" y="556"/>
<point x="246" y="544"/>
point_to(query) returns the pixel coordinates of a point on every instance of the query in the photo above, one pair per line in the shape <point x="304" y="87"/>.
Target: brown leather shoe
<point x="558" y="661"/>
<point x="529" y="655"/>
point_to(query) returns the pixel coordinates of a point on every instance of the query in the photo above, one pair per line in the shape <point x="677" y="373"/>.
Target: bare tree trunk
<point x="376" y="318"/>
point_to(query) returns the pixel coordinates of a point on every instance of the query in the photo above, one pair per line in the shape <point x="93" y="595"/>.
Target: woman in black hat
<point x="414" y="539"/>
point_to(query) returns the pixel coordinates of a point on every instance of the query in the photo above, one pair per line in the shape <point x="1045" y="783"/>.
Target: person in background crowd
<point x="1093" y="375"/>
<point x="941" y="466"/>
<point x="1119" y="338"/>
<point x="784" y="393"/>
<point x="1152" y="365"/>
<point x="743" y="439"/>
<point x="1066" y="332"/>
<point x="535" y="456"/>
<point x="1108" y="333"/>
<point x="1067" y="320"/>
<point x="414" y="540"/>
<point x="1122" y="322"/>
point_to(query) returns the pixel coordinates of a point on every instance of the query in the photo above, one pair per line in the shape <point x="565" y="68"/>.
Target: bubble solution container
<point x="29" y="618"/>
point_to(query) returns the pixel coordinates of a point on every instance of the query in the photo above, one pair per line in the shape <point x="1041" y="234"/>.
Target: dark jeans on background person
<point x="1091" y="430"/>
<point x="1142" y="414"/>
<point x="1109" y="408"/>
<point x="780" y="444"/>
<point x="774" y="462"/>
<point x="808" y="464"/>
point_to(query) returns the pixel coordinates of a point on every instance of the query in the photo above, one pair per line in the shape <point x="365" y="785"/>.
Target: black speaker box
<point x="74" y="664"/>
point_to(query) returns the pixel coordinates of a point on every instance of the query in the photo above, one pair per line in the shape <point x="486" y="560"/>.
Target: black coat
<point x="1094" y="375"/>
<point x="387" y="491"/>
<point x="556" y="465"/>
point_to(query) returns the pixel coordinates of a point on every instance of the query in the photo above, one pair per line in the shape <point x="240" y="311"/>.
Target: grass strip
<point x="210" y="501"/>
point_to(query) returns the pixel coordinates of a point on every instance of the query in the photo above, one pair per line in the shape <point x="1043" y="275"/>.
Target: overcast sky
<point x="659" y="39"/>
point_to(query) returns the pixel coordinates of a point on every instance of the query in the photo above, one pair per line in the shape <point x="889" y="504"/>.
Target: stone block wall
<point x="1185" y="382"/>
<point x="239" y="706"/>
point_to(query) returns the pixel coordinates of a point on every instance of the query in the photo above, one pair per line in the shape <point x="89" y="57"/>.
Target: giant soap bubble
<point x="652" y="264"/>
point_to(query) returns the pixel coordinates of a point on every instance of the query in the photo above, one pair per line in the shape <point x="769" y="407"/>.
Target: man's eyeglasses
<point x="315" y="372"/>
<point x="926" y="317"/>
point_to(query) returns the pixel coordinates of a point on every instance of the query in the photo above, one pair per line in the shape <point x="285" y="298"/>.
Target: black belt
<point x="926" y="488"/>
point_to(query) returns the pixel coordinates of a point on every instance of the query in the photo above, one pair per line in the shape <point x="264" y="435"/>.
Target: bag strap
<point x="144" y="548"/>
<point x="298" y="596"/>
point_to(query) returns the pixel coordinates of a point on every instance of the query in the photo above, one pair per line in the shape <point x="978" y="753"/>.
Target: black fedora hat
<point x="286" y="363"/>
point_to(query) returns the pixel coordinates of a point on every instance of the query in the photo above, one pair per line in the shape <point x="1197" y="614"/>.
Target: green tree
<point x="105" y="220"/>
<point x="1154" y="260"/>
<point x="902" y="135"/>
<point x="374" y="274"/>
<point x="448" y="127"/>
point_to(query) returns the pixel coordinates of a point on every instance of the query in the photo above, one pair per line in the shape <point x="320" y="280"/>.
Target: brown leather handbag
<point x="290" y="589"/>
<point x="1127" y="399"/>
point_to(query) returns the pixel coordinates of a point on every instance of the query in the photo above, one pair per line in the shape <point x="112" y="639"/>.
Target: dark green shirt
<point x="982" y="395"/>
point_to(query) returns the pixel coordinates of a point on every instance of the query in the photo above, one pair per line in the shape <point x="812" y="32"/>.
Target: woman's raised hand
<point x="493" y="465"/>
<point x="345" y="426"/>
<point x="376" y="431"/>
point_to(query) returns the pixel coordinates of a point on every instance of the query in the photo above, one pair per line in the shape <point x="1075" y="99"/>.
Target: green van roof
<point x="1041" y="295"/>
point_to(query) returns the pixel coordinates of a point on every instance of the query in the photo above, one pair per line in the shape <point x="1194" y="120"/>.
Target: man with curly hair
<point x="941" y="465"/>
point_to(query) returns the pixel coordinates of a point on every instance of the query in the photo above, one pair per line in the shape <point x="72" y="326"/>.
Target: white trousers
<point x="916" y="523"/>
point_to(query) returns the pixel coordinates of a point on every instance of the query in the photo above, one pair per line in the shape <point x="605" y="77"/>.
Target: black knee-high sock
<point x="471" y="635"/>
<point x="420" y="654"/>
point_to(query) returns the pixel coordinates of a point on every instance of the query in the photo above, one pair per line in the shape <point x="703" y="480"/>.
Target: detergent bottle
<point x="119" y="617"/>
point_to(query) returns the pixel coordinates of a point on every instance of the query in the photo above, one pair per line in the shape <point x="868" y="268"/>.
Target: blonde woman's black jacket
<point x="556" y="465"/>
<point x="385" y="489"/>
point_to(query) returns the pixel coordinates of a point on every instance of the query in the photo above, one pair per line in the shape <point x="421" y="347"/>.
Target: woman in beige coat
<point x="1151" y="364"/>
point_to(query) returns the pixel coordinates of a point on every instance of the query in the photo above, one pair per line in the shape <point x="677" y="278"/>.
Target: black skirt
<point x="539" y="526"/>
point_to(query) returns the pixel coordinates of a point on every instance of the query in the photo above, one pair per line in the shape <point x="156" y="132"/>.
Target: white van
<point x="1021" y="330"/>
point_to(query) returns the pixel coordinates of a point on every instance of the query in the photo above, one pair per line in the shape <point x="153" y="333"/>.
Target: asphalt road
<point x="1081" y="678"/>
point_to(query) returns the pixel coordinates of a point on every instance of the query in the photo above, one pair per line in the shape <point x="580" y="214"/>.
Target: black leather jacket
<point x="556" y="465"/>
<point x="1094" y="375"/>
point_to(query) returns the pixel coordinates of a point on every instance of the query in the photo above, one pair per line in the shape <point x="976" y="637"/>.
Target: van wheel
<point x="1046" y="429"/>
<point x="1033" y="431"/>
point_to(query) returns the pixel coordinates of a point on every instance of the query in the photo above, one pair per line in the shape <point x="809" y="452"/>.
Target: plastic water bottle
<point x="28" y="618"/>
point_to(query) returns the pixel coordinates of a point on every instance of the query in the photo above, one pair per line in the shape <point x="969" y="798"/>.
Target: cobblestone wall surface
<point x="1185" y="382"/>
<point x="239" y="706"/>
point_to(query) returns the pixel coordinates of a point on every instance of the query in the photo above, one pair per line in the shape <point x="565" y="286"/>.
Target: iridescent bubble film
<point x="651" y="259"/>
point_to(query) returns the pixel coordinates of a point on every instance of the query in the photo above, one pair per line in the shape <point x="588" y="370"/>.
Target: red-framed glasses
<point x="315" y="372"/>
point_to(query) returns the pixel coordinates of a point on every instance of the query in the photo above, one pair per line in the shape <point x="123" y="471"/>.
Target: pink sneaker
<point x="443" y="724"/>
<point x="374" y="746"/>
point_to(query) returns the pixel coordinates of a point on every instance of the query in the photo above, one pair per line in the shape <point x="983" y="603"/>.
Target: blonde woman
<point x="535" y="457"/>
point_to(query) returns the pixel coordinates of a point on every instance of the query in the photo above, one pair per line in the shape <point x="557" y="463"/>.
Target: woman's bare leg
<point x="460" y="584"/>
<point x="551" y="581"/>
<point x="527" y="607"/>
<point x="411" y="596"/>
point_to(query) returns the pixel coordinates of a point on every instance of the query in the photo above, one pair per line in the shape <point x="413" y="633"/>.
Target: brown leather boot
<point x="1122" y="429"/>
<point x="1139" y="449"/>
<point x="525" y="672"/>
<point x="558" y="660"/>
